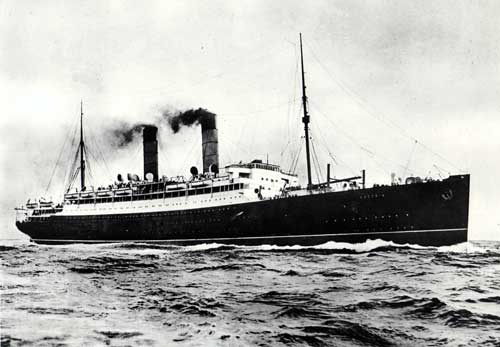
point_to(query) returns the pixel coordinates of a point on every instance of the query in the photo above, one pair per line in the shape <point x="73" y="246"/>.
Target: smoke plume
<point x="186" y="118"/>
<point x="124" y="133"/>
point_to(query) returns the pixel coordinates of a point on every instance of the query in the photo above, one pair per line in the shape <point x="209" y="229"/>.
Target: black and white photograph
<point x="249" y="173"/>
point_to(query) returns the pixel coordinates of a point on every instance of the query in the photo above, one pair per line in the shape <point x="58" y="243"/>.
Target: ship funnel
<point x="150" y="146"/>
<point x="209" y="143"/>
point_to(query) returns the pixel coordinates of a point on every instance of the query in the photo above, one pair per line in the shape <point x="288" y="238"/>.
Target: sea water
<point x="371" y="294"/>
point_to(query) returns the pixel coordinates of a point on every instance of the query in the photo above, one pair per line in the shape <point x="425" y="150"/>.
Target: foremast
<point x="82" y="146"/>
<point x="305" y="118"/>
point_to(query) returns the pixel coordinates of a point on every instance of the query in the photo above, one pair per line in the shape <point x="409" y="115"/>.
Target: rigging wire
<point x="88" y="166"/>
<point x="73" y="178"/>
<point x="227" y="140"/>
<point x="60" y="157"/>
<point x="364" y="105"/>
<point x="316" y="163"/>
<point x="163" y="155"/>
<point x="409" y="159"/>
<point x="324" y="143"/>
<point x="70" y="176"/>
<point x="100" y="154"/>
<point x="295" y="161"/>
<point x="290" y="117"/>
<point x="188" y="156"/>
<point x="73" y="171"/>
<point x="292" y="101"/>
<point x="440" y="170"/>
<point x="353" y="140"/>
<point x="292" y="140"/>
<point x="336" y="126"/>
<point x="263" y="109"/>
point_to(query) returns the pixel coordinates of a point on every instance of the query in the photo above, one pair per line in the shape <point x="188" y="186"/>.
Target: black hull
<point x="430" y="214"/>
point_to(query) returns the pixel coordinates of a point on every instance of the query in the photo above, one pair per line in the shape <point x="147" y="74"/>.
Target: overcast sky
<point x="380" y="75"/>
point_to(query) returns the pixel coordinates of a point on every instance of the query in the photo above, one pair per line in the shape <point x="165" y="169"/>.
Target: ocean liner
<point x="249" y="203"/>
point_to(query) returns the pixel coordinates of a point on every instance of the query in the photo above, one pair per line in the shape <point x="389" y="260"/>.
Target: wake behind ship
<point x="249" y="203"/>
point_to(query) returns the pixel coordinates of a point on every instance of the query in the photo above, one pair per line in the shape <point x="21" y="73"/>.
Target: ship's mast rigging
<point x="305" y="118"/>
<point x="82" y="160"/>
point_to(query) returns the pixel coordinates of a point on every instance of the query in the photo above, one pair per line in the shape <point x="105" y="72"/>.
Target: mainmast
<point x="82" y="161"/>
<point x="305" y="119"/>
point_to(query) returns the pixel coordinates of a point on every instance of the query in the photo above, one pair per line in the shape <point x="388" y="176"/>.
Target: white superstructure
<point x="240" y="183"/>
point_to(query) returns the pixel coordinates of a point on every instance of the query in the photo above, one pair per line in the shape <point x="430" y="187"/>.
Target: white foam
<point x="203" y="246"/>
<point x="465" y="247"/>
<point x="369" y="245"/>
<point x="362" y="247"/>
<point x="332" y="245"/>
<point x="80" y="246"/>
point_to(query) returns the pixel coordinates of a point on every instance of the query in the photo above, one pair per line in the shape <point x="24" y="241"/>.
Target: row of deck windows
<point x="160" y="195"/>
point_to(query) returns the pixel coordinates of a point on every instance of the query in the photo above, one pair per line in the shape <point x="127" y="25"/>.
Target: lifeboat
<point x="45" y="204"/>
<point x="123" y="192"/>
<point x="198" y="184"/>
<point x="177" y="186"/>
<point x="31" y="205"/>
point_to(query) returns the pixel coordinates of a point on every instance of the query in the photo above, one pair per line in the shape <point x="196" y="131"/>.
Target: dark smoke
<point x="125" y="133"/>
<point x="186" y="118"/>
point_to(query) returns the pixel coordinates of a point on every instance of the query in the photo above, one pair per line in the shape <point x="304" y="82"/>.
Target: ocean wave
<point x="119" y="334"/>
<point x="300" y="340"/>
<point x="463" y="318"/>
<point x="346" y="330"/>
<point x="469" y="248"/>
<point x="370" y="245"/>
<point x="374" y="293"/>
<point x="229" y="267"/>
<point x="107" y="264"/>
<point x="7" y="340"/>
<point x="292" y="273"/>
<point x="204" y="307"/>
<point x="396" y="302"/>
<point x="341" y="247"/>
<point x="279" y="298"/>
<point x="492" y="299"/>
<point x="298" y="311"/>
<point x="381" y="245"/>
<point x="334" y="274"/>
